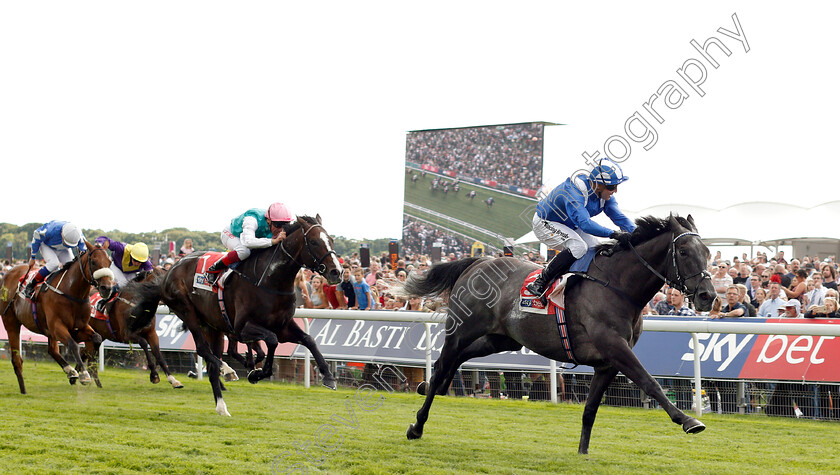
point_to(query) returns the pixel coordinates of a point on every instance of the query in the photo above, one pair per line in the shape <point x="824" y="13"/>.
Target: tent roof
<point x="752" y="223"/>
<point x="757" y="222"/>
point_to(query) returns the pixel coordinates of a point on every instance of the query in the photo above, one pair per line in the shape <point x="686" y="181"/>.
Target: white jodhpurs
<point x="234" y="244"/>
<point x="558" y="236"/>
<point x="55" y="258"/>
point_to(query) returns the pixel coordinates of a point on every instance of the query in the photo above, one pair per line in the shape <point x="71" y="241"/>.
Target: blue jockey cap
<point x="607" y="172"/>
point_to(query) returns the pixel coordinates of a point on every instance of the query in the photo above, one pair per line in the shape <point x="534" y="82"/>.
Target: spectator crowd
<point x="508" y="154"/>
<point x="763" y="287"/>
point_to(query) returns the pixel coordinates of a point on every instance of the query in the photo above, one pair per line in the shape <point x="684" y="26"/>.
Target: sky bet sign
<point x="722" y="355"/>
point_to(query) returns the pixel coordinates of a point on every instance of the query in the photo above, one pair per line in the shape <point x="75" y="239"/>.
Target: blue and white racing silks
<point x="574" y="203"/>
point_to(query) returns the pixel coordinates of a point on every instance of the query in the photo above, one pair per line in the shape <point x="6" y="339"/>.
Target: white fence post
<point x="698" y="396"/>
<point x="102" y="357"/>
<point x="199" y="367"/>
<point x="552" y="365"/>
<point x="428" y="352"/>
<point x="307" y="365"/>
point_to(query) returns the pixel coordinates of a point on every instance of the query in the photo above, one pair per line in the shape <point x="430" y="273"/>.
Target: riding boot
<point x="215" y="271"/>
<point x="30" y="287"/>
<point x="558" y="266"/>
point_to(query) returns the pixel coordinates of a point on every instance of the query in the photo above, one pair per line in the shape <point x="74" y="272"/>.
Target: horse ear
<point x="691" y="222"/>
<point x="318" y="218"/>
<point x="675" y="225"/>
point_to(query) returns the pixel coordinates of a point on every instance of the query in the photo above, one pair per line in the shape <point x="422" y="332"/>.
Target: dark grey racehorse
<point x="604" y="315"/>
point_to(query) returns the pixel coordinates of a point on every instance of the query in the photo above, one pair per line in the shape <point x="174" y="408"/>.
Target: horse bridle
<point x="91" y="280"/>
<point x="319" y="267"/>
<point x="680" y="283"/>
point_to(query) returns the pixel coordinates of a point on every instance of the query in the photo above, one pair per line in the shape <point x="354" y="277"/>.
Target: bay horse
<point x="258" y="297"/>
<point x="603" y="312"/>
<point x="116" y="329"/>
<point x="62" y="311"/>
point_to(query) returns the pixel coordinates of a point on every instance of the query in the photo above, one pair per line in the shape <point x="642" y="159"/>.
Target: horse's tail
<point x="145" y="297"/>
<point x="437" y="280"/>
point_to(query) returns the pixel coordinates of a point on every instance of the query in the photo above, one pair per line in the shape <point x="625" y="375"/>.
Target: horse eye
<point x="682" y="253"/>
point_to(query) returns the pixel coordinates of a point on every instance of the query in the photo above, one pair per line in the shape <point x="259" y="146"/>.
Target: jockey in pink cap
<point x="253" y="229"/>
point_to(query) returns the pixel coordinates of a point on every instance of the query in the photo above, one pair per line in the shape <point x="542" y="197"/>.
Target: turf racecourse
<point x="133" y="426"/>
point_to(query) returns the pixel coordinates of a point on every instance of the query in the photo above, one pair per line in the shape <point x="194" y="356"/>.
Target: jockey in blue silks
<point x="564" y="219"/>
<point x="55" y="241"/>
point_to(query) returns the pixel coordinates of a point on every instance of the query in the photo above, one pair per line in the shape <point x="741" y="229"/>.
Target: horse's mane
<point x="295" y="225"/>
<point x="647" y="228"/>
<point x="290" y="228"/>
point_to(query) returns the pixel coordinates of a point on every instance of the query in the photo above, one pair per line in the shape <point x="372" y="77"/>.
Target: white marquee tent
<point x="810" y="231"/>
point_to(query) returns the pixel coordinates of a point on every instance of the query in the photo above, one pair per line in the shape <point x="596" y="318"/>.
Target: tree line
<point x="21" y="236"/>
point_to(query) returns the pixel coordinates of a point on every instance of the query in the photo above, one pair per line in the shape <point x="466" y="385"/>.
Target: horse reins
<point x="90" y="280"/>
<point x="319" y="267"/>
<point x="680" y="282"/>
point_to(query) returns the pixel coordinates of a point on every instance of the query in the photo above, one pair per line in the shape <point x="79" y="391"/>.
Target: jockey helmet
<point x="607" y="172"/>
<point x="70" y="234"/>
<point x="278" y="212"/>
<point x="139" y="252"/>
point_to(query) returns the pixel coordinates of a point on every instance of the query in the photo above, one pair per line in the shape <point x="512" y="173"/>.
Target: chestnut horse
<point x="62" y="311"/>
<point x="116" y="329"/>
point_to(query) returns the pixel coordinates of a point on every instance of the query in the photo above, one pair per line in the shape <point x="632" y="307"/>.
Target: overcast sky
<point x="143" y="116"/>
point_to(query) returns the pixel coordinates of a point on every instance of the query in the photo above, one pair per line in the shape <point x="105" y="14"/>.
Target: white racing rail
<point x="693" y="327"/>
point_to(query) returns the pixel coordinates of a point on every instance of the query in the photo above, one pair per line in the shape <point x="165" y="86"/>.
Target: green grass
<point x="133" y="426"/>
<point x="503" y="218"/>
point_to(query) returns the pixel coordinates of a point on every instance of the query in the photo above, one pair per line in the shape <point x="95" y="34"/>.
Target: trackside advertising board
<point x="723" y="355"/>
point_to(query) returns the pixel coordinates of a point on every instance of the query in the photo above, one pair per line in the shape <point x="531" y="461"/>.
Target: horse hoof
<point x="422" y="387"/>
<point x="330" y="383"/>
<point x="693" y="426"/>
<point x="98" y="384"/>
<point x="254" y="376"/>
<point x="174" y="382"/>
<point x="221" y="408"/>
<point x="412" y="433"/>
<point x="73" y="379"/>
<point x="231" y="377"/>
<point x="154" y="378"/>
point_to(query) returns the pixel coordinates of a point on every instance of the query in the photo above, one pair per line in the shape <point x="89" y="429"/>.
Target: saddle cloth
<point x="27" y="278"/>
<point x="202" y="264"/>
<point x="94" y="313"/>
<point x="530" y="303"/>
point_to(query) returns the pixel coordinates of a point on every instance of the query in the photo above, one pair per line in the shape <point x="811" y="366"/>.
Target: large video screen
<point x="470" y="185"/>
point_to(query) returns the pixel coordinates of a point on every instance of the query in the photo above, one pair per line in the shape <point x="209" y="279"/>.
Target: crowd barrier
<point x="752" y="349"/>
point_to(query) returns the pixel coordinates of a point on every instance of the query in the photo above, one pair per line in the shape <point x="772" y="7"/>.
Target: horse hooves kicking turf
<point x="693" y="426"/>
<point x="330" y="383"/>
<point x="412" y="434"/>
<point x="254" y="376"/>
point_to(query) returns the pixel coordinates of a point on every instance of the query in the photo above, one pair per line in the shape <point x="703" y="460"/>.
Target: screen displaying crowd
<point x="419" y="237"/>
<point x="507" y="154"/>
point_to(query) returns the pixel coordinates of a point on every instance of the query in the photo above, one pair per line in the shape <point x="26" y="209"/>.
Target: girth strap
<point x="564" y="335"/>
<point x="221" y="298"/>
